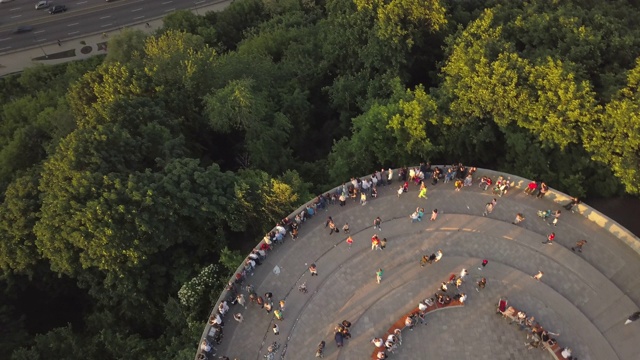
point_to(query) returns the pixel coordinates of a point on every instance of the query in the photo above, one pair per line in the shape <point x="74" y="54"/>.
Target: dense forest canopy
<point x="132" y="183"/>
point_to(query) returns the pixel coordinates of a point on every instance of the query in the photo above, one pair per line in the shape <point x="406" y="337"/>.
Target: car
<point x="42" y="5"/>
<point x="57" y="9"/>
<point x="22" y="29"/>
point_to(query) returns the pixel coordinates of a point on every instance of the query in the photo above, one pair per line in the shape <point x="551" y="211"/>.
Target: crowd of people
<point x="537" y="336"/>
<point x="364" y="189"/>
<point x="384" y="346"/>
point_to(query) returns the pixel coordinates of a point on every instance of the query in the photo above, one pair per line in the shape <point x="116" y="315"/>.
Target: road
<point x="83" y="17"/>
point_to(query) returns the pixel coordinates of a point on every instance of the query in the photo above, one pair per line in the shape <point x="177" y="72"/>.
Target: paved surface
<point x="38" y="49"/>
<point x="585" y="297"/>
<point x="82" y="18"/>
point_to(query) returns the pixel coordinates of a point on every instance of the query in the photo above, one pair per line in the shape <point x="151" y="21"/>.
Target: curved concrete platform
<point x="584" y="296"/>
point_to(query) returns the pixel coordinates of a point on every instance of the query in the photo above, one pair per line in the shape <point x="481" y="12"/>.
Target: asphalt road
<point x="82" y="17"/>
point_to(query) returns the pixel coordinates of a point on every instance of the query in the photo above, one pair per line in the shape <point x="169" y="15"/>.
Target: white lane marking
<point x="38" y="32"/>
<point x="167" y="2"/>
<point x="138" y="18"/>
<point x="5" y="39"/>
<point x="5" y="48"/>
<point x="199" y="2"/>
<point x="16" y="16"/>
<point x="38" y="40"/>
<point x="14" y="9"/>
<point x="74" y="24"/>
<point x="134" y="10"/>
<point x="174" y="9"/>
<point x="105" y="25"/>
<point x="105" y="17"/>
<point x="81" y="2"/>
<point x="74" y="32"/>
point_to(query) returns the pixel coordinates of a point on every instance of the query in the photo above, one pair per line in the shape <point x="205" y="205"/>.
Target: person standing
<point x="375" y="242"/>
<point x="481" y="284"/>
<point x="240" y="299"/>
<point x="538" y="276"/>
<point x="383" y="243"/>
<point x="282" y="303"/>
<point x="238" y="317"/>
<point x="313" y="270"/>
<point x="424" y="260"/>
<point x="268" y="306"/>
<point x="463" y="274"/>
<point x="376" y="223"/>
<point x="349" y="242"/>
<point x="363" y="198"/>
<point x="519" y="219"/>
<point x="345" y="228"/>
<point x="278" y="314"/>
<point x="333" y="228"/>
<point x="543" y="190"/>
<point x="556" y="216"/>
<point x="487" y="209"/>
<point x="635" y="316"/>
<point x="579" y="245"/>
<point x="379" y="274"/>
<point x="276" y="329"/>
<point x="484" y="263"/>
<point x="434" y="215"/>
<point x="438" y="255"/>
<point x="550" y="238"/>
<point x="423" y="191"/>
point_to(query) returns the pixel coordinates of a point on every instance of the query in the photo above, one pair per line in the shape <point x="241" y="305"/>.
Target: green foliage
<point x="126" y="46"/>
<point x="126" y="176"/>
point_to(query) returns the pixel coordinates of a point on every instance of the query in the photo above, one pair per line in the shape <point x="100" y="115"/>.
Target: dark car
<point x="57" y="9"/>
<point x="22" y="29"/>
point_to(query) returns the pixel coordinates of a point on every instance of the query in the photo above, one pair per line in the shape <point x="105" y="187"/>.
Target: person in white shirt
<point x="223" y="308"/>
<point x="463" y="273"/>
<point x="204" y="346"/>
<point x="463" y="297"/>
<point x="422" y="306"/>
<point x="378" y="342"/>
<point x="566" y="353"/>
<point x="438" y="255"/>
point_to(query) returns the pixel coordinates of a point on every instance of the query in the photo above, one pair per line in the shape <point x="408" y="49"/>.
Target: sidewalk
<point x="78" y="48"/>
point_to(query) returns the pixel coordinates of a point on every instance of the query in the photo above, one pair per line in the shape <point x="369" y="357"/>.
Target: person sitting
<point x="468" y="180"/>
<point x="374" y="192"/>
<point x="422" y="306"/>
<point x="440" y="299"/>
<point x="447" y="299"/>
<point x="205" y="346"/>
<point x="574" y="201"/>
<point x="378" y="342"/>
<point x="381" y="355"/>
<point x="405" y="187"/>
<point x="429" y="301"/>
<point x="566" y="353"/>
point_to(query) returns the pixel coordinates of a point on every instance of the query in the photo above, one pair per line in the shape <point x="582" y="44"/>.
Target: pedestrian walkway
<point x="585" y="297"/>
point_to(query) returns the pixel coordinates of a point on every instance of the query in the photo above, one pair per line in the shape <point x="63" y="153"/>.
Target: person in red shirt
<point x="550" y="239"/>
<point x="531" y="188"/>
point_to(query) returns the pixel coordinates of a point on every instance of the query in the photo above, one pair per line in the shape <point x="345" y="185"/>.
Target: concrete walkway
<point x="586" y="297"/>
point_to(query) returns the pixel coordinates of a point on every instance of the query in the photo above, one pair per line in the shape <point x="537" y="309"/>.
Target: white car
<point x="42" y="5"/>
